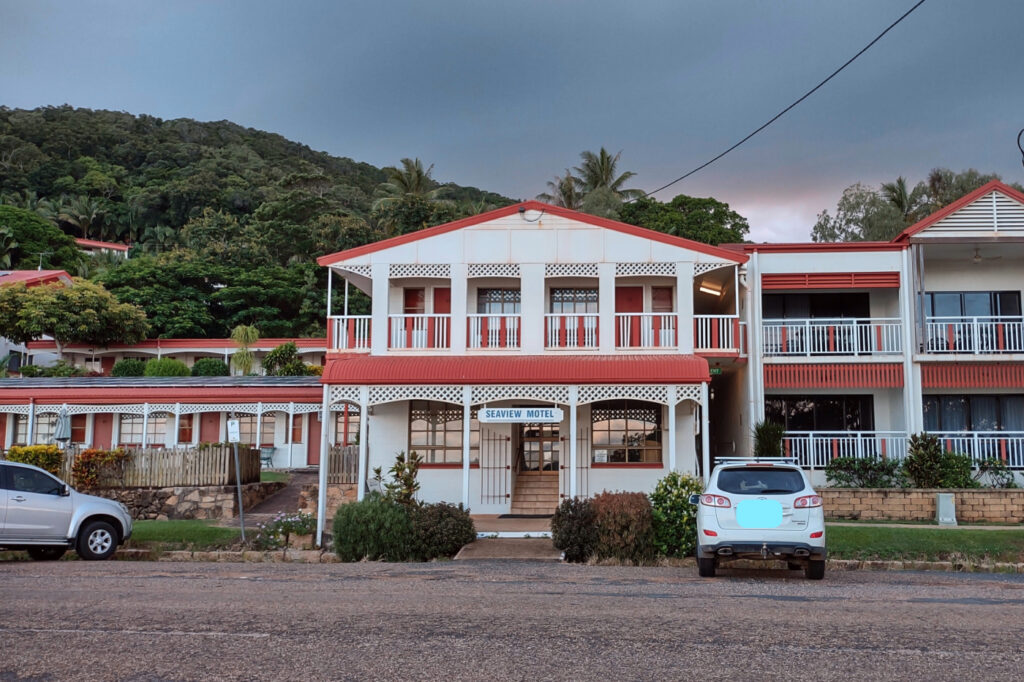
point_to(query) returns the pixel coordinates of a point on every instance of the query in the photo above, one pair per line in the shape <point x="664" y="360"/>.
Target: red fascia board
<point x="531" y="206"/>
<point x="531" y="369"/>
<point x="992" y="185"/>
<point x="168" y="394"/>
<point x="170" y="344"/>
<point x="817" y="247"/>
<point x="95" y="244"/>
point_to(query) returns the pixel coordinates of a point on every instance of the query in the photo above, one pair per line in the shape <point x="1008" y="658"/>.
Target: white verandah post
<point x="574" y="396"/>
<point x="364" y="417"/>
<point x="467" y="396"/>
<point x="291" y="430"/>
<point x="671" y="428"/>
<point x="321" y="493"/>
<point x="30" y="437"/>
<point x="177" y="424"/>
<point x="705" y="439"/>
<point x="259" y="425"/>
<point x="145" y="424"/>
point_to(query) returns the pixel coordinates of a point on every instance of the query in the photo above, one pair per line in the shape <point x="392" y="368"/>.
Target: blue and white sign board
<point x="519" y="415"/>
<point x="234" y="435"/>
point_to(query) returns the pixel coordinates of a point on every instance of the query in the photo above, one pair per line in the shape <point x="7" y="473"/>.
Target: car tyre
<point x="815" y="569"/>
<point x="706" y="567"/>
<point x="97" y="540"/>
<point x="46" y="553"/>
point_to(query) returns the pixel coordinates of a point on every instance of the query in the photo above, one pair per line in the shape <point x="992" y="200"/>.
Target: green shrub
<point x="275" y="533"/>
<point x="996" y="473"/>
<point x="129" y="367"/>
<point x="95" y="468"/>
<point x="675" y="519"/>
<point x="61" y="368"/>
<point x="924" y="461"/>
<point x="210" y="367"/>
<point x="166" y="367"/>
<point x="625" y="526"/>
<point x="573" y="529"/>
<point x="957" y="471"/>
<point x="375" y="529"/>
<point x="47" y="457"/>
<point x="865" y="472"/>
<point x="284" y="361"/>
<point x="441" y="530"/>
<point x="403" y="486"/>
<point x="768" y="439"/>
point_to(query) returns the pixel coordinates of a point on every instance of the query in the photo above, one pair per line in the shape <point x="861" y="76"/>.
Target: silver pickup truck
<point x="42" y="514"/>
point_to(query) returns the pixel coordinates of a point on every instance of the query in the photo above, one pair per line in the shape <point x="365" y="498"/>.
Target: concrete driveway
<point x="500" y="621"/>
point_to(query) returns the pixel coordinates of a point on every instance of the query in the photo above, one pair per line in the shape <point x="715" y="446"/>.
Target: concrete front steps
<point x="535" y="494"/>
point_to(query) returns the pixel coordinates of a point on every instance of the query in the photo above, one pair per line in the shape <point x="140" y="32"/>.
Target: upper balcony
<point x="980" y="335"/>
<point x="840" y="336"/>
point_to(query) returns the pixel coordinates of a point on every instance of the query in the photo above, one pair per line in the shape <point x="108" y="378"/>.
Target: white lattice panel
<point x="688" y="392"/>
<point x="420" y="270"/>
<point x="306" y="408"/>
<point x="494" y="270"/>
<point x="550" y="394"/>
<point x="352" y="409"/>
<point x="703" y="268"/>
<point x="654" y="394"/>
<point x="627" y="269"/>
<point x="363" y="270"/>
<point x="14" y="409"/>
<point x="156" y="408"/>
<point x="47" y="409"/>
<point x="275" y="407"/>
<point x="570" y="270"/>
<point x="390" y="394"/>
<point x="344" y="394"/>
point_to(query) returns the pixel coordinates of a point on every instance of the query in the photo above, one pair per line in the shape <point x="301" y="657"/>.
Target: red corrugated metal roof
<point x="524" y="369"/>
<point x="96" y="244"/>
<point x="33" y="277"/>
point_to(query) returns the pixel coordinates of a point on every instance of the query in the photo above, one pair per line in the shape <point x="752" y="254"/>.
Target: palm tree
<point x="159" y="238"/>
<point x="598" y="171"/>
<point x="411" y="178"/>
<point x="909" y="204"/>
<point x="7" y="246"/>
<point x="83" y="213"/>
<point x="564" y="191"/>
<point x="243" y="358"/>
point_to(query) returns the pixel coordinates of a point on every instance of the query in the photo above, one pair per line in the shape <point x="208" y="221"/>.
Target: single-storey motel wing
<point x="534" y="353"/>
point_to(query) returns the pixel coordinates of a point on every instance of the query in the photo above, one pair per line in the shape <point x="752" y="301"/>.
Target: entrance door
<point x="313" y="440"/>
<point x="539" y="447"/>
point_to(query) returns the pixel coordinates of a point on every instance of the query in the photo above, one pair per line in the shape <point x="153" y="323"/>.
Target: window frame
<point x="631" y="436"/>
<point x="451" y="454"/>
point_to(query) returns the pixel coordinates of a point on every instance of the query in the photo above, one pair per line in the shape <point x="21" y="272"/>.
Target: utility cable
<point x="805" y="96"/>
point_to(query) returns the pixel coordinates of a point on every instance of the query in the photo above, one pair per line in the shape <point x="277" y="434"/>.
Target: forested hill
<point x="225" y="221"/>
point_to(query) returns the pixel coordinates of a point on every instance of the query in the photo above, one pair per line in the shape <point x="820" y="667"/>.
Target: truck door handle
<point x="19" y="498"/>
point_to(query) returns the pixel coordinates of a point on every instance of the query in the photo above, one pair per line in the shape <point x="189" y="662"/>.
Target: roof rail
<point x="781" y="460"/>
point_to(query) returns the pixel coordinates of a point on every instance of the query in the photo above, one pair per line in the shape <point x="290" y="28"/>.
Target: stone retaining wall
<point x="206" y="502"/>
<point x="918" y="504"/>
<point x="337" y="495"/>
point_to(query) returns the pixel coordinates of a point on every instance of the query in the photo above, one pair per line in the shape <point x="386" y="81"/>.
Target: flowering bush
<point x="675" y="519"/>
<point x="47" y="457"/>
<point x="94" y="467"/>
<point x="275" y="533"/>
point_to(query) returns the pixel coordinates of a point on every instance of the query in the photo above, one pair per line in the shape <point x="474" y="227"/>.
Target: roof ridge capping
<point x="532" y="205"/>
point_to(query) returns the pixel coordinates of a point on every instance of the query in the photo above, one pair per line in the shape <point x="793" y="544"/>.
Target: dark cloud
<point x="504" y="95"/>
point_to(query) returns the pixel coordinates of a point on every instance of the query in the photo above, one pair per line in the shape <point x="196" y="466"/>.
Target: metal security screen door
<point x="539" y="447"/>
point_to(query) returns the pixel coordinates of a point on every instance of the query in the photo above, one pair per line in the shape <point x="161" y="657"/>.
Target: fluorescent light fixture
<point x="710" y="288"/>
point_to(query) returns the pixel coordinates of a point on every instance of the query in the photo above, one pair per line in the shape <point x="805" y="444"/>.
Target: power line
<point x="805" y="96"/>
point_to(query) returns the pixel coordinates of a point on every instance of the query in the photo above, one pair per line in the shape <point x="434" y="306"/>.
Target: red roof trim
<point x="992" y="185"/>
<point x="170" y="344"/>
<point x="531" y="206"/>
<point x="523" y="369"/>
<point x="167" y="394"/>
<point x="815" y="247"/>
<point x="96" y="244"/>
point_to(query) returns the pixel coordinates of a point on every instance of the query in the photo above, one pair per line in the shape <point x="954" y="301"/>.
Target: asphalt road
<point x="500" y="621"/>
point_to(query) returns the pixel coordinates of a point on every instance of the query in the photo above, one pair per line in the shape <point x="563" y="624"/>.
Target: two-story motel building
<point x="533" y="353"/>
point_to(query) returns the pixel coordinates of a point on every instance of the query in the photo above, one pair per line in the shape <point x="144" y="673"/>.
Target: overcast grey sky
<point x="504" y="95"/>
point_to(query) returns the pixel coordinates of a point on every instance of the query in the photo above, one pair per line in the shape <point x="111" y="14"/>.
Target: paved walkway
<point x="285" y="500"/>
<point x="539" y="549"/>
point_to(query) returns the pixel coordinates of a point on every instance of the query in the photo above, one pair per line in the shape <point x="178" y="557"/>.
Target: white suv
<point x="760" y="509"/>
<point x="42" y="514"/>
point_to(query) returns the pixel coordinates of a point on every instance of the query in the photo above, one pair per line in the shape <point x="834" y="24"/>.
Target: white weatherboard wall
<point x="823" y="262"/>
<point x="962" y="274"/>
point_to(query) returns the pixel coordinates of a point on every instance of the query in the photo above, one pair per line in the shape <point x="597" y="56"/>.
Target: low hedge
<point x="48" y="457"/>
<point x="378" y="528"/>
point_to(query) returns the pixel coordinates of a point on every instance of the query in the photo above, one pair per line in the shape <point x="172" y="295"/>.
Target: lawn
<point x="925" y="544"/>
<point x="273" y="476"/>
<point x="181" y="534"/>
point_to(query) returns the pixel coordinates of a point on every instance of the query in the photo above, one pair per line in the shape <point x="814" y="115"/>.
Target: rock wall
<point x="207" y="502"/>
<point x="337" y="495"/>
<point x="918" y="504"/>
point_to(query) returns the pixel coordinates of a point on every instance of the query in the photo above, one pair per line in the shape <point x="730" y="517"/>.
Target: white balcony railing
<point x="819" y="336"/>
<point x="645" y="330"/>
<point x="351" y="332"/>
<point x="492" y="331"/>
<point x="578" y="330"/>
<point x="815" y="449"/>
<point x="977" y="335"/>
<point x="419" y="331"/>
<point x="1007" y="446"/>
<point x="716" y="333"/>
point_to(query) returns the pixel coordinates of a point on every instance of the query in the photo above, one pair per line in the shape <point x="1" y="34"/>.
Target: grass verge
<point x="273" y="477"/>
<point x="182" y="534"/>
<point x="925" y="544"/>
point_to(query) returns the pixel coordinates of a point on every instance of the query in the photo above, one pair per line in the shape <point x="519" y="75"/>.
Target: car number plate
<point x="759" y="514"/>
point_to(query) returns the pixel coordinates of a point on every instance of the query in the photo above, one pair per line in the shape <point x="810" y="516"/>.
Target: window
<point x="498" y="301"/>
<point x="346" y="426"/>
<point x="296" y="429"/>
<point x="626" y="431"/>
<point x="185" y="431"/>
<point x="569" y="301"/>
<point x="821" y="412"/>
<point x="28" y="481"/>
<point x="972" y="303"/>
<point x="838" y="305"/>
<point x="247" y="430"/>
<point x="45" y="426"/>
<point x="414" y="302"/>
<point x="435" y="432"/>
<point x="78" y="428"/>
<point x="156" y="429"/>
<point x="661" y="300"/>
<point x="759" y="480"/>
<point x="946" y="413"/>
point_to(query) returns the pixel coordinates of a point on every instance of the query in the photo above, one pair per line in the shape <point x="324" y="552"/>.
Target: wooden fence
<point x="179" y="467"/>
<point x="343" y="464"/>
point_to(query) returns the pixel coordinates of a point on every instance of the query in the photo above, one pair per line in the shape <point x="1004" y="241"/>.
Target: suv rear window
<point x="760" y="481"/>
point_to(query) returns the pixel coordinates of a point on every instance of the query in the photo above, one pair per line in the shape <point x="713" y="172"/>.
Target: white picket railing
<point x="1007" y="446"/>
<point x="645" y="330"/>
<point x="575" y="330"/>
<point x="716" y="332"/>
<point x="815" y="449"/>
<point x="350" y="332"/>
<point x="419" y="331"/>
<point x="979" y="335"/>
<point x="840" y="336"/>
<point x="493" y="331"/>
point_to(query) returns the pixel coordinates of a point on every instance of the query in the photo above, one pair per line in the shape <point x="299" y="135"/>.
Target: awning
<point x="521" y="369"/>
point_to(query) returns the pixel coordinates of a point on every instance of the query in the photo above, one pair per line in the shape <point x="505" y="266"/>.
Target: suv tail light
<point x="807" y="501"/>
<point x="715" y="501"/>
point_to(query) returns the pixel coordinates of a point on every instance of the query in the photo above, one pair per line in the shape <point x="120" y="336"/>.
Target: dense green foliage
<point x="61" y="368"/>
<point x="675" y="519"/>
<point x="210" y="367"/>
<point x="39" y="242"/>
<point x="440" y="530"/>
<point x="928" y="465"/>
<point x="229" y="219"/>
<point x="625" y="526"/>
<point x="865" y="472"/>
<point x="166" y="367"/>
<point x="284" y="361"/>
<point x="375" y="528"/>
<point x="573" y="530"/>
<point x="48" y="457"/>
<point x="768" y="439"/>
<point x="128" y="367"/>
<point x="701" y="219"/>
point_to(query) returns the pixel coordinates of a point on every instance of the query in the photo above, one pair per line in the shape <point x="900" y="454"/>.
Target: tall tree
<point x="40" y="243"/>
<point x="7" y="246"/>
<point x="564" y="191"/>
<point x="82" y="213"/>
<point x="701" y="219"/>
<point x="861" y="215"/>
<point x="600" y="171"/>
<point x="243" y="358"/>
<point x="908" y="203"/>
<point x="411" y="178"/>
